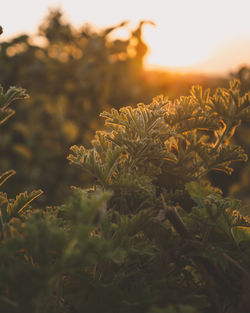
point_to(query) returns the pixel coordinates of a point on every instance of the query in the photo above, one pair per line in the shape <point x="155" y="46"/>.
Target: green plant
<point x="11" y="208"/>
<point x="71" y="78"/>
<point x="158" y="148"/>
<point x="155" y="159"/>
<point x="152" y="235"/>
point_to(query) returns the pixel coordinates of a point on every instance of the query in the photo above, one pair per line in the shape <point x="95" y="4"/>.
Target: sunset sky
<point x="192" y="35"/>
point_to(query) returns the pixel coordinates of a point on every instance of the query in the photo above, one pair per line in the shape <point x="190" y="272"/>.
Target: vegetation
<point x="155" y="159"/>
<point x="71" y="78"/>
<point x="151" y="234"/>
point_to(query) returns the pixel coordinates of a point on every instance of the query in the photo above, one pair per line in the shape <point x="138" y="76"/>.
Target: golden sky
<point x="198" y="35"/>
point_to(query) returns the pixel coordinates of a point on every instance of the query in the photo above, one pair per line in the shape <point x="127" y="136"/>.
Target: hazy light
<point x="189" y="33"/>
<point x="192" y="33"/>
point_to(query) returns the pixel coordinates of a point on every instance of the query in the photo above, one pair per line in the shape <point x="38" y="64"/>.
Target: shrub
<point x="152" y="235"/>
<point x="156" y="159"/>
<point x="75" y="74"/>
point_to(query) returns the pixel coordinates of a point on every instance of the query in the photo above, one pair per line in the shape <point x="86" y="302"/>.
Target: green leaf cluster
<point x="151" y="235"/>
<point x="161" y="146"/>
<point x="72" y="77"/>
<point x="11" y="208"/>
<point x="11" y="95"/>
<point x="155" y="158"/>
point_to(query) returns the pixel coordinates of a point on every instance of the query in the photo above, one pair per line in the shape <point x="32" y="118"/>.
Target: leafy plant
<point x="71" y="78"/>
<point x="158" y="148"/>
<point x="156" y="157"/>
<point x="152" y="235"/>
<point x="11" y="208"/>
<point x="75" y="74"/>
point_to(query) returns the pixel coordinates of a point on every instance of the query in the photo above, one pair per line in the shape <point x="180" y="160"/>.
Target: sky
<point x="210" y="36"/>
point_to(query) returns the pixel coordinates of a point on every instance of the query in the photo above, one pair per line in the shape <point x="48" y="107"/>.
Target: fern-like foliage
<point x="7" y="98"/>
<point x="13" y="207"/>
<point x="155" y="158"/>
<point x="166" y="144"/>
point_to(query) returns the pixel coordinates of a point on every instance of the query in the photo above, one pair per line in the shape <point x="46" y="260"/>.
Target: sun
<point x="184" y="36"/>
<point x="177" y="54"/>
<point x="178" y="49"/>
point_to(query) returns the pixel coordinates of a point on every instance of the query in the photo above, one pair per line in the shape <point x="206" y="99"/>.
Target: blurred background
<point x="77" y="59"/>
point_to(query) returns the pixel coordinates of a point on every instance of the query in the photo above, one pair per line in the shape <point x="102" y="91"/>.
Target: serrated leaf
<point x="20" y="203"/>
<point x="5" y="176"/>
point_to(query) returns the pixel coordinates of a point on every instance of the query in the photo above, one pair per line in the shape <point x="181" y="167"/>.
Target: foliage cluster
<point x="72" y="75"/>
<point x="151" y="235"/>
<point x="241" y="185"/>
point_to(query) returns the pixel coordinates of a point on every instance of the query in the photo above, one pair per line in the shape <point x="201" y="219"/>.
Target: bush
<point x="75" y="74"/>
<point x="152" y="235"/>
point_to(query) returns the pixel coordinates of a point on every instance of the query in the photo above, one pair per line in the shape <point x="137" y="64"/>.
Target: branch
<point x="175" y="219"/>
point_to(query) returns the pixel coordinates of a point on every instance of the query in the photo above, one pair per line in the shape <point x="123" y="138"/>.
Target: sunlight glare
<point x="188" y="33"/>
<point x="177" y="52"/>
